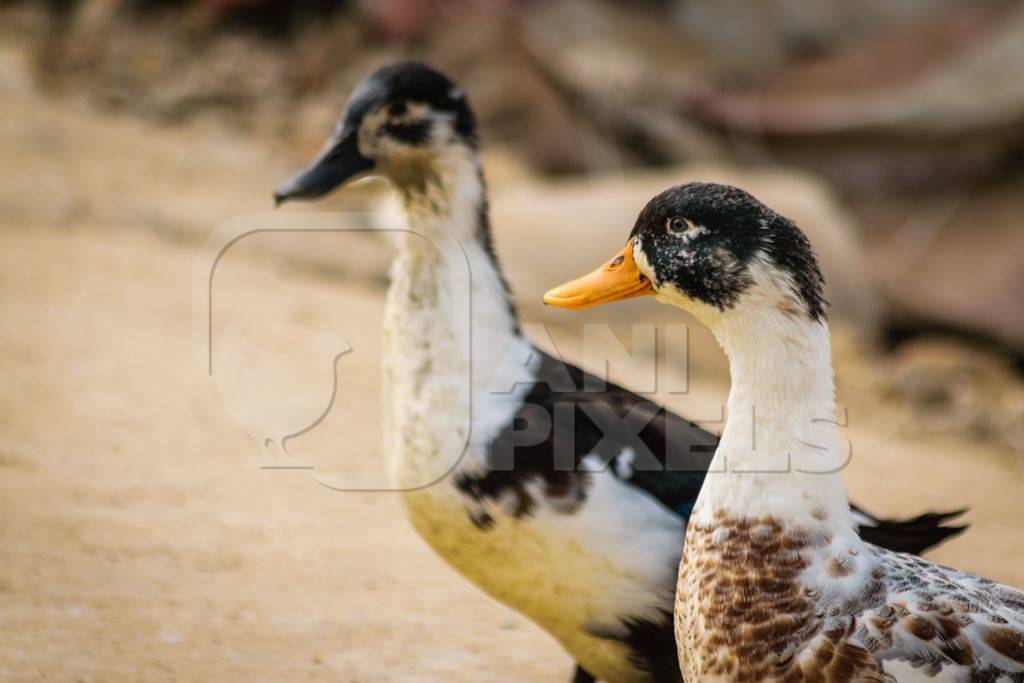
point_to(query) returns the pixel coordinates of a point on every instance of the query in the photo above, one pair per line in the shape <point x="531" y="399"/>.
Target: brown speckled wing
<point x="746" y="612"/>
<point x="938" y="619"/>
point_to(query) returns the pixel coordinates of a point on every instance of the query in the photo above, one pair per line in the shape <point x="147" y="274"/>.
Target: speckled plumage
<point x="760" y="600"/>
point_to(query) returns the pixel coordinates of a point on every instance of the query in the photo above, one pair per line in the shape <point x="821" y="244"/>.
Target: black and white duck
<point x="776" y="583"/>
<point x="525" y="482"/>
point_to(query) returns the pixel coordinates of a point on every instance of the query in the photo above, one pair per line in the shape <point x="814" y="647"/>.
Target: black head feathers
<point x="703" y="239"/>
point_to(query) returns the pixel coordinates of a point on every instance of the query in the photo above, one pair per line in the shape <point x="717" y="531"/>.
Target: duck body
<point x="560" y="495"/>
<point x="775" y="582"/>
<point x="584" y="554"/>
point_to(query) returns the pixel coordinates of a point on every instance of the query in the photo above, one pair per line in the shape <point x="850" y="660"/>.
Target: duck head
<point x="710" y="249"/>
<point x="400" y="123"/>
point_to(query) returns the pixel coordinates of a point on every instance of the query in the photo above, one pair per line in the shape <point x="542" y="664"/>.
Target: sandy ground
<point x="140" y="538"/>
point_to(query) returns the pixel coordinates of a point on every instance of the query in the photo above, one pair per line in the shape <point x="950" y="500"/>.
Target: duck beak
<point x="620" y="278"/>
<point x="338" y="162"/>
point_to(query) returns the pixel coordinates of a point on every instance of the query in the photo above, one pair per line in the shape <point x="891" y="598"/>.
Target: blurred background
<point x="141" y="539"/>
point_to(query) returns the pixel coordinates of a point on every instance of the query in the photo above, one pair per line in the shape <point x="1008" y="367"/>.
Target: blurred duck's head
<point x="710" y="249"/>
<point x="406" y="122"/>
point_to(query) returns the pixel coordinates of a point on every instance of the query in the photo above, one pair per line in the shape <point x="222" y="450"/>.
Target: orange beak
<point x="620" y="278"/>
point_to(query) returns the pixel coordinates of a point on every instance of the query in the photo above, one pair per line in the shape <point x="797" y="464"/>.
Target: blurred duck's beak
<point x="618" y="279"/>
<point x="338" y="162"/>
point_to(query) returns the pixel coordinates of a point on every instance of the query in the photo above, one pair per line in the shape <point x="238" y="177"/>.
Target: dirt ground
<point x="140" y="538"/>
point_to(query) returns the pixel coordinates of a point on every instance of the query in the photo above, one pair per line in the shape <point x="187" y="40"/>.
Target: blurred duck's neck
<point x="453" y="341"/>
<point x="449" y="236"/>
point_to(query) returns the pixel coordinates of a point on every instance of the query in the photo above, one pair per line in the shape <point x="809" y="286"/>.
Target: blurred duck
<point x="775" y="583"/>
<point x="565" y="514"/>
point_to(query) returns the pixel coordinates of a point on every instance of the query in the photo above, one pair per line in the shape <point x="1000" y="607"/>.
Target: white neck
<point x="452" y="334"/>
<point x="779" y="454"/>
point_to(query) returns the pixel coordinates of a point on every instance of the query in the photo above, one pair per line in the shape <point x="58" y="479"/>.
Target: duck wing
<point x="571" y="426"/>
<point x="944" y="623"/>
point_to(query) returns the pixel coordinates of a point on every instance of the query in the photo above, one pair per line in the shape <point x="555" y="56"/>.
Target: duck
<point x="541" y="484"/>
<point x="775" y="582"/>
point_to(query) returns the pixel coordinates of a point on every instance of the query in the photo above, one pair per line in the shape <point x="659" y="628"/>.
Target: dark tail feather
<point x="913" y="535"/>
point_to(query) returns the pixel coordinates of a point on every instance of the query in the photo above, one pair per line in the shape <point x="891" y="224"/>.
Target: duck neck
<point x="451" y="327"/>
<point x="779" y="455"/>
<point x="449" y="235"/>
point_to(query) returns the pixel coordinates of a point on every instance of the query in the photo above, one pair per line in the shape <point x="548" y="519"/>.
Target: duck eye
<point x="397" y="109"/>
<point x="678" y="224"/>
